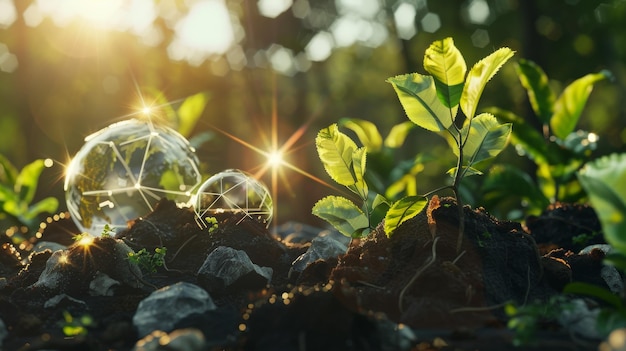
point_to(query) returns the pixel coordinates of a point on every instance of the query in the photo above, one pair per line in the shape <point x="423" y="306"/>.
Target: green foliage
<point x="146" y="261"/>
<point x="107" y="231"/>
<point x="17" y="192"/>
<point x="557" y="149"/>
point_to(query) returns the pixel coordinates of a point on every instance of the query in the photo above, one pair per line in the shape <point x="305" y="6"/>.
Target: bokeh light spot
<point x="8" y="14"/>
<point x="431" y="22"/>
<point x="480" y="38"/>
<point x="404" y="17"/>
<point x="273" y="8"/>
<point x="478" y="11"/>
<point x="320" y="47"/>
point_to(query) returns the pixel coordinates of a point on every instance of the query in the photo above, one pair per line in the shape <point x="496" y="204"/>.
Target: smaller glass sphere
<point x="234" y="192"/>
<point x="123" y="170"/>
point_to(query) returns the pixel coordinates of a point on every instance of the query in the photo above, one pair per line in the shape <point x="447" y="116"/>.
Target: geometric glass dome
<point x="233" y="192"/>
<point x="123" y="170"/>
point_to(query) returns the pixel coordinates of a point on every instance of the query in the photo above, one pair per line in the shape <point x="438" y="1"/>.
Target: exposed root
<point x="419" y="272"/>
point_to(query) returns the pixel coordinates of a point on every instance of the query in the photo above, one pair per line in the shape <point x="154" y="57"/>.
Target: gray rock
<point x="165" y="307"/>
<point x="102" y="285"/>
<point x="322" y="248"/>
<point x="580" y="319"/>
<point x="609" y="274"/>
<point x="178" y="340"/>
<point x="65" y="299"/>
<point x="52" y="275"/>
<point x="42" y="246"/>
<point x="225" y="266"/>
<point x="127" y="272"/>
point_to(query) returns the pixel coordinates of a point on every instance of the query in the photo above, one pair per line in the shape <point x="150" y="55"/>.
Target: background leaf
<point x="27" y="179"/>
<point x="366" y="131"/>
<point x="571" y="103"/>
<point x="541" y="97"/>
<point x="418" y="96"/>
<point x="478" y="77"/>
<point x="398" y="133"/>
<point x="190" y="111"/>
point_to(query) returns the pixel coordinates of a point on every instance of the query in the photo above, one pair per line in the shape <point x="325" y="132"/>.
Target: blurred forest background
<point x="71" y="67"/>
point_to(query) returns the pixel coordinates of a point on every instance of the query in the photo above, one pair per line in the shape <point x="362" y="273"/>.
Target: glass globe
<point x="234" y="192"/>
<point x="123" y="170"/>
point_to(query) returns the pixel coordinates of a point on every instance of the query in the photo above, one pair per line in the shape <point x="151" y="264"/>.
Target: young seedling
<point x="431" y="102"/>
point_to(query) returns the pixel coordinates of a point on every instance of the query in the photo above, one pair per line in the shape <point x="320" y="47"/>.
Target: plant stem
<point x="455" y="188"/>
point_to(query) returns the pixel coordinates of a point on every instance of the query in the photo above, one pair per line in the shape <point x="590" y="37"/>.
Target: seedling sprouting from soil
<point x="431" y="102"/>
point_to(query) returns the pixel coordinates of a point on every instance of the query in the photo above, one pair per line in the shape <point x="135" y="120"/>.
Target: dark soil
<point x="451" y="300"/>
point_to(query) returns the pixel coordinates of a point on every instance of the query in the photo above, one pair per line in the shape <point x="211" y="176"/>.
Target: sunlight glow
<point x="275" y="158"/>
<point x="207" y="29"/>
<point x="273" y="8"/>
<point x="85" y="240"/>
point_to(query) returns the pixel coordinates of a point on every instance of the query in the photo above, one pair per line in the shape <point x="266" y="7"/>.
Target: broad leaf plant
<point x="433" y="102"/>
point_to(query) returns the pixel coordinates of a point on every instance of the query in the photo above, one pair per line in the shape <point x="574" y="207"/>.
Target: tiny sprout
<point x="107" y="231"/>
<point x="146" y="261"/>
<point x="211" y="223"/>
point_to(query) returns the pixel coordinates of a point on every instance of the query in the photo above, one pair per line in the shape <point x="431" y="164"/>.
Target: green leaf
<point x="418" y="96"/>
<point x="467" y="171"/>
<point x="342" y="214"/>
<point x="359" y="158"/>
<point x="524" y="136"/>
<point x="403" y="210"/>
<point x="366" y="131"/>
<point x="398" y="133"/>
<point x="571" y="103"/>
<point x="8" y="172"/>
<point x="189" y="113"/>
<point x="486" y="138"/>
<point x="380" y="206"/>
<point x="335" y="150"/>
<point x="587" y="289"/>
<point x="603" y="180"/>
<point x="504" y="181"/>
<point x="49" y="205"/>
<point x="447" y="65"/>
<point x="27" y="179"/>
<point x="478" y="77"/>
<point x="535" y="81"/>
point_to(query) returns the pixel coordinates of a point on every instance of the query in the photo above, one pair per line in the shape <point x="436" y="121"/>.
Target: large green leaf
<point x="447" y="65"/>
<point x="418" y="96"/>
<point x="541" y="97"/>
<point x="403" y="210"/>
<point x="27" y="179"/>
<point x="486" y="138"/>
<point x="398" y="133"/>
<point x="478" y="77"/>
<point x="571" y="102"/>
<point x="366" y="131"/>
<point x="335" y="150"/>
<point x="342" y="214"/>
<point x="603" y="180"/>
<point x="190" y="111"/>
